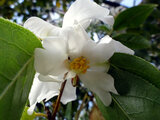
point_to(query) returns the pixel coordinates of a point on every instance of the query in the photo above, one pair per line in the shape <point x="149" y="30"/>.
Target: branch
<point x="59" y="98"/>
<point x="81" y="107"/>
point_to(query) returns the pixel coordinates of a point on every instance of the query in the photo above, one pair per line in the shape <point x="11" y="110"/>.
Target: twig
<point x="48" y="113"/>
<point x="81" y="107"/>
<point x="59" y="98"/>
<point x="40" y="115"/>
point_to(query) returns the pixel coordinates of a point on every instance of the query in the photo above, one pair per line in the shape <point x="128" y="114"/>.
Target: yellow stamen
<point x="79" y="65"/>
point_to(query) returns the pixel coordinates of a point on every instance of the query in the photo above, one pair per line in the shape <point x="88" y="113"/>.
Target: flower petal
<point x="83" y="11"/>
<point x="76" y="37"/>
<point x="104" y="67"/>
<point x="69" y="93"/>
<point x="56" y="43"/>
<point x="49" y="62"/>
<point x="105" y="97"/>
<point x="40" y="91"/>
<point x="41" y="28"/>
<point x="95" y="80"/>
<point x="98" y="53"/>
<point x="100" y="83"/>
<point x="104" y="50"/>
<point x="70" y="75"/>
<point x="119" y="47"/>
<point x="49" y="78"/>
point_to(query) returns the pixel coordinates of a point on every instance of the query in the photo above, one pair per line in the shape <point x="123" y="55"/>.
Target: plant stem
<point x="40" y="115"/>
<point x="81" y="107"/>
<point x="48" y="113"/>
<point x="59" y="98"/>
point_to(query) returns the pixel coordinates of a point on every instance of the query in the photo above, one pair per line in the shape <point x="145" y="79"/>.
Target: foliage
<point x="133" y="17"/>
<point x="16" y="68"/>
<point x="136" y="80"/>
<point x="139" y="96"/>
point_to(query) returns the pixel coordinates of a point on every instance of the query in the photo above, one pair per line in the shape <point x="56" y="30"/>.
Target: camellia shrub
<point x="52" y="72"/>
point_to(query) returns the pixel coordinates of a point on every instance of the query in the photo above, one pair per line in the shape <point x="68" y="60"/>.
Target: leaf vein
<point x="16" y="46"/>
<point x="15" y="78"/>
<point x="142" y="97"/>
<point x="121" y="107"/>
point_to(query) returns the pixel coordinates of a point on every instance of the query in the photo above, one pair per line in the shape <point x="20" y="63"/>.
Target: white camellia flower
<point x="69" y="52"/>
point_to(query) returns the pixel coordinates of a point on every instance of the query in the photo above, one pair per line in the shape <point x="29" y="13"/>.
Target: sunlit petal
<point x="83" y="11"/>
<point x="101" y="52"/>
<point x="76" y="37"/>
<point x="50" y="62"/>
<point x="59" y="43"/>
<point x="119" y="47"/>
<point x="41" y="28"/>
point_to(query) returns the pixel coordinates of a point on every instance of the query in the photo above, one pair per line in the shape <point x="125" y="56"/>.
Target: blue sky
<point x="129" y="3"/>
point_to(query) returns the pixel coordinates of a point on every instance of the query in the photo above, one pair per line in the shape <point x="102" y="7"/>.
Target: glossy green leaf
<point x="137" y="66"/>
<point x="138" y="99"/>
<point x="133" y="17"/>
<point x="17" y="47"/>
<point x="138" y="83"/>
<point x="133" y="41"/>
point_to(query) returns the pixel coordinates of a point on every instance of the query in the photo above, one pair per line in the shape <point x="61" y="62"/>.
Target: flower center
<point x="79" y="65"/>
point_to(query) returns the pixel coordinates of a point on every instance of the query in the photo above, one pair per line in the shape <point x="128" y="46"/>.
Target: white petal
<point x="105" y="97"/>
<point x="104" y="67"/>
<point x="76" y="37"/>
<point x="70" y="75"/>
<point x="100" y="83"/>
<point x="59" y="43"/>
<point x="51" y="61"/>
<point x="83" y="11"/>
<point x="41" y="28"/>
<point x="69" y="93"/>
<point x="49" y="78"/>
<point x="40" y="91"/>
<point x="102" y="51"/>
<point x="95" y="80"/>
<point x="98" y="53"/>
<point x="119" y="47"/>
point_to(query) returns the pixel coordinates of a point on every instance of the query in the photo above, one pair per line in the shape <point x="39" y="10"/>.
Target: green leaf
<point x="68" y="112"/>
<point x="17" y="47"/>
<point x="138" y="83"/>
<point x="138" y="99"/>
<point x="137" y="66"/>
<point x="133" y="41"/>
<point x="133" y="17"/>
<point x="25" y="115"/>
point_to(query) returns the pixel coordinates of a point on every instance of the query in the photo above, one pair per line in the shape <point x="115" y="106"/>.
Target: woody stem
<point x="59" y="98"/>
<point x="81" y="107"/>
